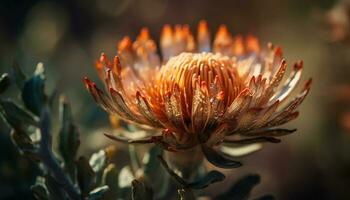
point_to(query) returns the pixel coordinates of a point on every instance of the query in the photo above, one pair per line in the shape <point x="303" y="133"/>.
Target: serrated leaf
<point x="140" y="191"/>
<point x="4" y="82"/>
<point x="86" y="176"/>
<point x="18" y="75"/>
<point x="210" y="178"/>
<point x="98" y="193"/>
<point x="219" y="160"/>
<point x="39" y="192"/>
<point x="33" y="94"/>
<point x="16" y="116"/>
<point x="69" y="141"/>
<point x="241" y="189"/>
<point x="110" y="178"/>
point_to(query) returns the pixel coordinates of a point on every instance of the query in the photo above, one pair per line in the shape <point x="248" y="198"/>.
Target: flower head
<point x="198" y="91"/>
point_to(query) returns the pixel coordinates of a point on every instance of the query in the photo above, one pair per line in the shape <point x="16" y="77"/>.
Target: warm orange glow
<point x="196" y="95"/>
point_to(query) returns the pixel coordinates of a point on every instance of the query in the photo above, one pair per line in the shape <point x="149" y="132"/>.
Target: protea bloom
<point x="199" y="92"/>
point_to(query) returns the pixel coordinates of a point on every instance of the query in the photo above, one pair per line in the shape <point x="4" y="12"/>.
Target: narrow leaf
<point x="211" y="177"/>
<point x="68" y="140"/>
<point x="254" y="140"/>
<point x="16" y="116"/>
<point x="239" y="151"/>
<point x="86" y="176"/>
<point x="241" y="189"/>
<point x="277" y="132"/>
<point x="219" y="160"/>
<point x="98" y="193"/>
<point x="33" y="94"/>
<point x="127" y="140"/>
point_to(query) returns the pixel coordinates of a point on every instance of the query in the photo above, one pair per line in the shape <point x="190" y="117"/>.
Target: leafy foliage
<point x="66" y="175"/>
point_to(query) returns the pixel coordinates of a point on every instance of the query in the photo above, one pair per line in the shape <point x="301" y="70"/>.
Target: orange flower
<point x="199" y="93"/>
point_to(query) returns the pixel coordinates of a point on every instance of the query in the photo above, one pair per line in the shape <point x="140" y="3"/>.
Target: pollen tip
<point x="252" y="43"/>
<point x="278" y="52"/>
<point x="99" y="65"/>
<point x="144" y="34"/>
<point x="202" y="30"/>
<point x="202" y="23"/>
<point x="87" y="82"/>
<point x="125" y="43"/>
<point x="111" y="90"/>
<point x="167" y="30"/>
<point x="308" y="83"/>
<point x="103" y="57"/>
<point x="223" y="31"/>
<point x="299" y="65"/>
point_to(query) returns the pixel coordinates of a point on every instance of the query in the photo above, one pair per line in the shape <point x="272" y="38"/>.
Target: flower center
<point x="206" y="69"/>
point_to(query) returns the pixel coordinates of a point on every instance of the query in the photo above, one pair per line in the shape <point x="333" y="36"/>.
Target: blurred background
<point x="69" y="35"/>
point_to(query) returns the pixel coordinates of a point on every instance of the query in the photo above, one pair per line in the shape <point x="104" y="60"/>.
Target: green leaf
<point x="39" y="191"/>
<point x="16" y="116"/>
<point x="98" y="193"/>
<point x="4" y="82"/>
<point x="68" y="142"/>
<point x="86" y="176"/>
<point x="241" y="189"/>
<point x="140" y="191"/>
<point x="186" y="194"/>
<point x="17" y="75"/>
<point x="110" y="178"/>
<point x="33" y="94"/>
<point x="210" y="178"/>
<point x="219" y="160"/>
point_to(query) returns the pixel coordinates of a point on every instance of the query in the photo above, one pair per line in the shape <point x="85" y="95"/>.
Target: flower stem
<point x="186" y="162"/>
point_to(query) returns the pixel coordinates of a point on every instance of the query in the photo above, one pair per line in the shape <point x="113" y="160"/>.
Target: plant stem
<point x="59" y="175"/>
<point x="49" y="160"/>
<point x="187" y="162"/>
